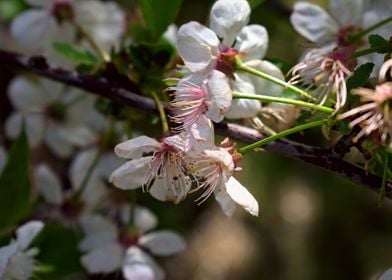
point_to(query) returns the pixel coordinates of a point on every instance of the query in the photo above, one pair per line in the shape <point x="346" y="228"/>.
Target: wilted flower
<point x="327" y="72"/>
<point x="16" y="259"/>
<point x="375" y="116"/>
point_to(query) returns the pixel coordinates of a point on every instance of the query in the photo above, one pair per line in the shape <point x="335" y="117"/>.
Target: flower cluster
<point x="189" y="161"/>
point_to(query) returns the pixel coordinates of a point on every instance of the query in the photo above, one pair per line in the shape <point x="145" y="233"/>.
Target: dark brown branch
<point x="320" y="157"/>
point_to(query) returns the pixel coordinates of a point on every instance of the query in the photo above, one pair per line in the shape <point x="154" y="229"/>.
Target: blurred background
<point x="313" y="224"/>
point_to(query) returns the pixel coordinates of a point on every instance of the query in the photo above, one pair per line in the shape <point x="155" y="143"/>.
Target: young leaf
<point x="159" y="14"/>
<point x="74" y="54"/>
<point x="15" y="184"/>
<point x="360" y="76"/>
<point x="378" y="42"/>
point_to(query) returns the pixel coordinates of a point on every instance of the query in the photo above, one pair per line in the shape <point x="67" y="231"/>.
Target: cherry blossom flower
<point x="214" y="167"/>
<point x="52" y="113"/>
<point x="192" y="99"/>
<point x="327" y="71"/>
<point x="163" y="173"/>
<point x="16" y="259"/>
<point x="129" y="249"/>
<point x="375" y="116"/>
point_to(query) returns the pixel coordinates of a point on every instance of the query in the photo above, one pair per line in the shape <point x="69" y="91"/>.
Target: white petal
<point x="312" y="22"/>
<point x="243" y="108"/>
<point x="53" y="91"/>
<point x="202" y="135"/>
<point x="253" y="41"/>
<point x="49" y="185"/>
<point x="27" y="232"/>
<point x="347" y="12"/>
<point x="228" y="17"/>
<point x="132" y="174"/>
<point x="225" y="202"/>
<point x="138" y="265"/>
<point x="6" y="253"/>
<point x="219" y="96"/>
<point x="387" y="275"/>
<point x="242" y="196"/>
<point x="162" y="190"/>
<point x="93" y="194"/>
<point x="93" y="223"/>
<point x="263" y="86"/>
<point x="55" y="140"/>
<point x="171" y="34"/>
<point x="26" y="95"/>
<point x="33" y="28"/>
<point x="105" y="259"/>
<point x="135" y="147"/>
<point x="197" y="46"/>
<point x="78" y="135"/>
<point x="162" y="243"/>
<point x="79" y="166"/>
<point x="35" y="126"/>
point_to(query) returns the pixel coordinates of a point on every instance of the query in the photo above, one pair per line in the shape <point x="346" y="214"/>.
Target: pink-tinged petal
<point x="263" y="86"/>
<point x="228" y="17"/>
<point x="225" y="202"/>
<point x="219" y="96"/>
<point x="27" y="232"/>
<point x="138" y="265"/>
<point x="347" y="12"/>
<point x="312" y="22"/>
<point x="26" y="95"/>
<point x="222" y="157"/>
<point x="136" y="147"/>
<point x="105" y="259"/>
<point x="202" y="135"/>
<point x="252" y="41"/>
<point x="197" y="46"/>
<point x="49" y="185"/>
<point x="162" y="243"/>
<point x="242" y="196"/>
<point x="176" y="141"/>
<point x="33" y="28"/>
<point x="132" y="174"/>
<point x="243" y="108"/>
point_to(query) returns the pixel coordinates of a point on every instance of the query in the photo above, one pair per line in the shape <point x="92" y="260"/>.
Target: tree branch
<point x="316" y="156"/>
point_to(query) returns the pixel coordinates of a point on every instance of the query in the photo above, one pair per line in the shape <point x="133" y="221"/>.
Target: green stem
<point x="384" y="182"/>
<point x="279" y="135"/>
<point x="162" y="114"/>
<point x="268" y="98"/>
<point x="382" y="49"/>
<point x="104" y="56"/>
<point x="362" y="33"/>
<point x="243" y="67"/>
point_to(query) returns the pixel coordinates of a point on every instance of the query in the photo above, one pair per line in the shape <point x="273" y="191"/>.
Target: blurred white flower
<point x="129" y="249"/>
<point x="52" y="113"/>
<point x="104" y="21"/>
<point x="162" y="173"/>
<point x="3" y="158"/>
<point x="16" y="259"/>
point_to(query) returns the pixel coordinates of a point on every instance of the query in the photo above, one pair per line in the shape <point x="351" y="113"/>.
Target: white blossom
<point x="16" y="259"/>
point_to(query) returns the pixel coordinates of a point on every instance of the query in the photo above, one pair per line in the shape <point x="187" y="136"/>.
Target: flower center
<point x="63" y="11"/>
<point x="226" y="61"/>
<point x="56" y="112"/>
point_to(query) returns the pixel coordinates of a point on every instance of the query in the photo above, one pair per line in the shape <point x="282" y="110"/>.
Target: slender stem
<point x="162" y="114"/>
<point x="104" y="56"/>
<point x="383" y="183"/>
<point x="382" y="49"/>
<point x="268" y="98"/>
<point x="243" y="67"/>
<point x="360" y="34"/>
<point x="279" y="135"/>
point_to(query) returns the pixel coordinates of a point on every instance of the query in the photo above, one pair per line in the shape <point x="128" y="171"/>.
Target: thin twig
<point x="323" y="158"/>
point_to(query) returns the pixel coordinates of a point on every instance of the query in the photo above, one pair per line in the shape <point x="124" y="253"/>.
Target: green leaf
<point x="255" y="3"/>
<point x="15" y="184"/>
<point x="159" y="14"/>
<point x="75" y="54"/>
<point x="360" y="76"/>
<point x="378" y="42"/>
<point x="58" y="248"/>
